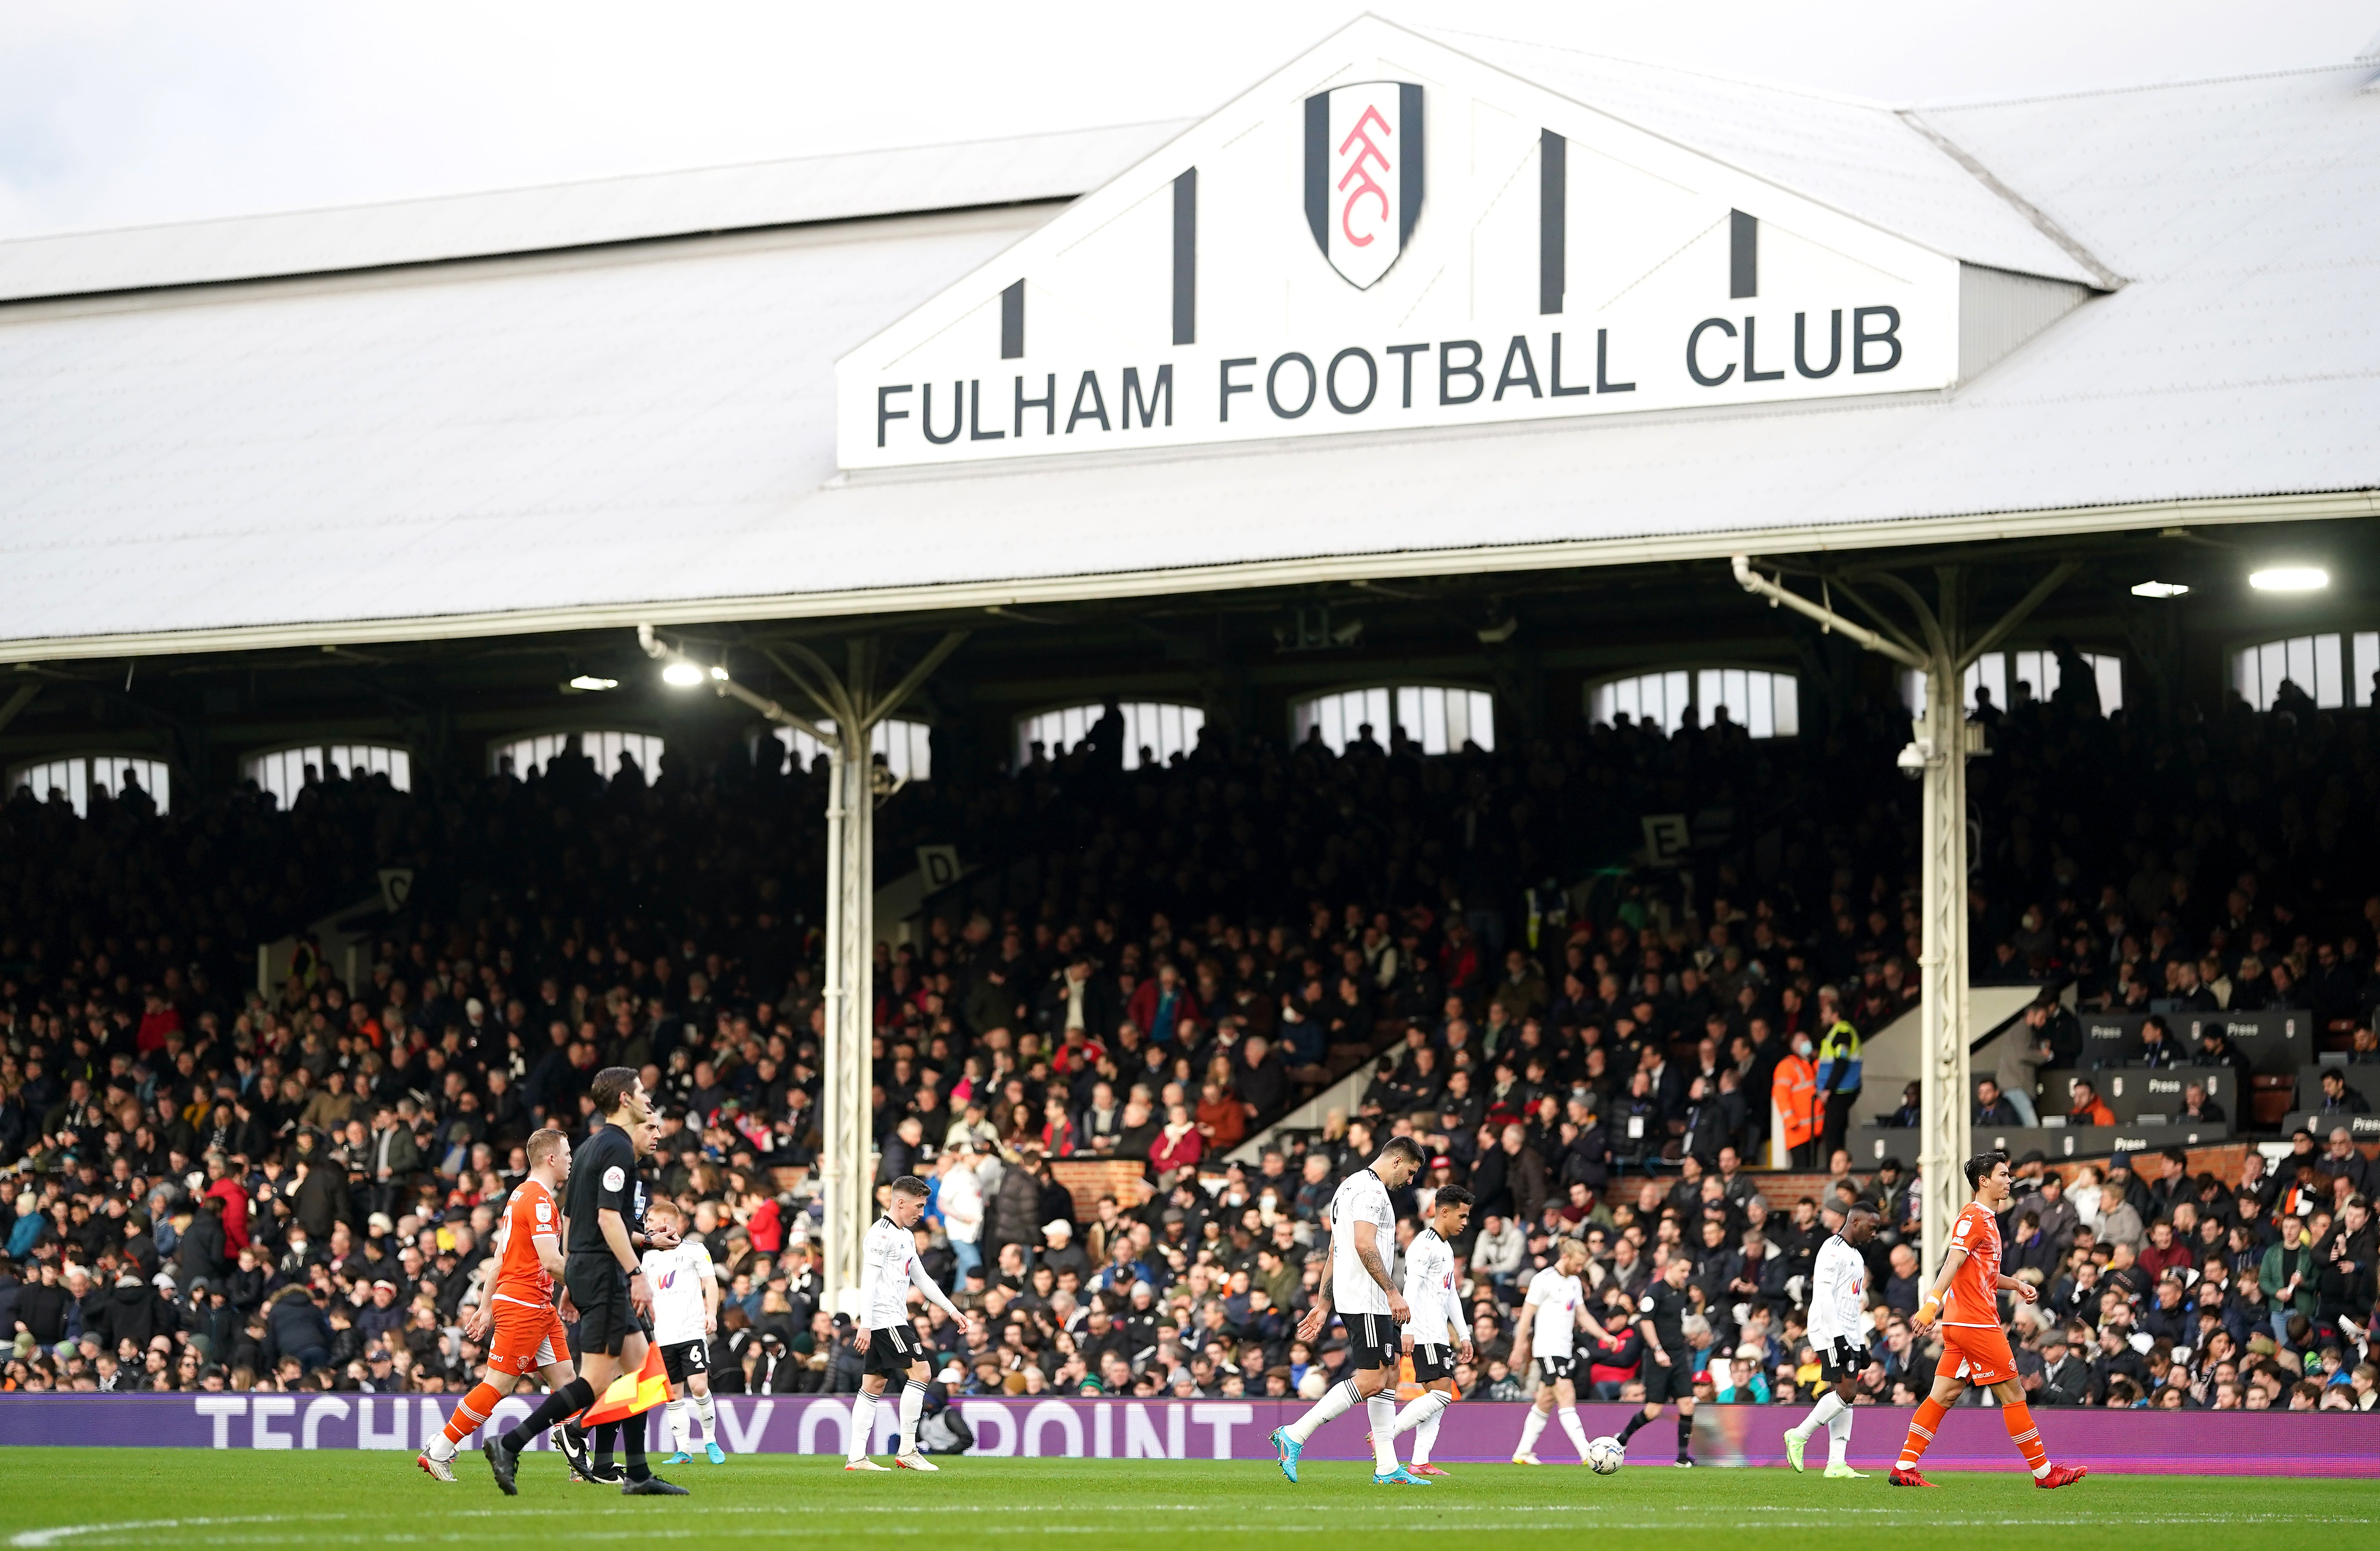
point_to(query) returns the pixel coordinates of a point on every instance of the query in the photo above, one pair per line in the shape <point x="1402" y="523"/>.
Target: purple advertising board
<point x="2137" y="1442"/>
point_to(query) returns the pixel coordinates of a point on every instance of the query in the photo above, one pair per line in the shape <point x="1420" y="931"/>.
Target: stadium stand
<point x="214" y="1185"/>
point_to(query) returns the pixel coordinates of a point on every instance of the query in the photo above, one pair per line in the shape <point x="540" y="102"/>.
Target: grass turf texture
<point x="83" y="1500"/>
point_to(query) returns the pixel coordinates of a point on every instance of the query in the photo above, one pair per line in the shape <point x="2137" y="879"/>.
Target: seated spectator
<point x="2088" y="1108"/>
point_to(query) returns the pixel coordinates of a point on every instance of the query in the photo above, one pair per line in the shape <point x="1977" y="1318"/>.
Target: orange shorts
<point x="527" y="1337"/>
<point x="1978" y="1354"/>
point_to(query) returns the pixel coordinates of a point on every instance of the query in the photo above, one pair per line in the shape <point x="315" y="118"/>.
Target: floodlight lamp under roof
<point x="682" y="675"/>
<point x="2159" y="588"/>
<point x="2290" y="578"/>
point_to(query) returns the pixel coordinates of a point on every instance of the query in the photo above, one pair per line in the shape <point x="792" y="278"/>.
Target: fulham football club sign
<point x="1270" y="273"/>
<point x="1363" y="166"/>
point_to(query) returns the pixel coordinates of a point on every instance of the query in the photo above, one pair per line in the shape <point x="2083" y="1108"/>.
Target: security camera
<point x="1915" y="757"/>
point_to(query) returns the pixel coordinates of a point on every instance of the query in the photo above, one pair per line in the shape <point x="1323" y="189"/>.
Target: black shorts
<point x="1431" y="1364"/>
<point x="892" y="1350"/>
<point x="1675" y="1382"/>
<point x="1551" y="1369"/>
<point x="600" y="1287"/>
<point x="1839" y="1360"/>
<point x="681" y="1358"/>
<point x="1373" y="1341"/>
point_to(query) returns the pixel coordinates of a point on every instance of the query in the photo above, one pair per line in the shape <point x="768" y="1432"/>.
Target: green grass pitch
<point x="85" y="1499"/>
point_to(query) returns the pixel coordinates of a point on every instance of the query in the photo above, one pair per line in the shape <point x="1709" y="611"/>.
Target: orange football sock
<point x="2020" y="1427"/>
<point x="1921" y="1431"/>
<point x="471" y="1412"/>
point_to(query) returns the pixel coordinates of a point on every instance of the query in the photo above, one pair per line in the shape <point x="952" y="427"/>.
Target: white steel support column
<point x="848" y="710"/>
<point x="1942" y="962"/>
<point x="850" y="995"/>
<point x="1942" y="649"/>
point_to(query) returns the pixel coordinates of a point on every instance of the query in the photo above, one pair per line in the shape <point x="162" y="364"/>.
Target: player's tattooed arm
<point x="1367" y="1256"/>
<point x="1368" y="1252"/>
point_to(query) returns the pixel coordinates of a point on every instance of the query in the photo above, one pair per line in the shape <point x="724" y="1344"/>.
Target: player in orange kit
<point x="517" y="1301"/>
<point x="1974" y="1347"/>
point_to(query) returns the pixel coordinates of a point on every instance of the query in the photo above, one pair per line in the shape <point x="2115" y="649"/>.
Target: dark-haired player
<point x="889" y="1268"/>
<point x="1838" y="1330"/>
<point x="1965" y="1298"/>
<point x="1363" y="1232"/>
<point x="1437" y="1334"/>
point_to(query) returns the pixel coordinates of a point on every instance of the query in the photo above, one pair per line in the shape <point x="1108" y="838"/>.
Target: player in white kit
<point x="889" y="1268"/>
<point x="1838" y="1330"/>
<point x="1438" y="1334"/>
<point x="685" y="1316"/>
<point x="1363" y="1232"/>
<point x="1555" y="1309"/>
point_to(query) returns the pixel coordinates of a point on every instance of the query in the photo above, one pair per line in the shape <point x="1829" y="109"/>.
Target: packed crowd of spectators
<point x="209" y="1186"/>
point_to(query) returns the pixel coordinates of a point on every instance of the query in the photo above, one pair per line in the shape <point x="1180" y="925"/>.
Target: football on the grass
<point x="1605" y="1455"/>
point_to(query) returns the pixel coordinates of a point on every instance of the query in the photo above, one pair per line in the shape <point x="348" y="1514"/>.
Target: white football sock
<point x="1529" y="1431"/>
<point x="1576" y="1428"/>
<point x="1337" y="1400"/>
<point x="1839" y="1436"/>
<point x="1416" y="1410"/>
<point x="1425" y="1430"/>
<point x="863" y="1426"/>
<point x="913" y="1405"/>
<point x="441" y="1448"/>
<point x="708" y="1413"/>
<point x="1820" y="1414"/>
<point x="1381" y="1411"/>
<point x="674" y="1426"/>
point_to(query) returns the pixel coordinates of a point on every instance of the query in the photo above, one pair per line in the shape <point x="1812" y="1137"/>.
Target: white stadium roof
<point x="557" y="407"/>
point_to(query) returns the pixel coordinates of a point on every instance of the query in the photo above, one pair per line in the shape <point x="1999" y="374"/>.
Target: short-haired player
<point x="1669" y="1368"/>
<point x="1438" y="1334"/>
<point x="1965" y="1298"/>
<point x="515" y="1316"/>
<point x="1554" y="1310"/>
<point x="886" y="1341"/>
<point x="1838" y="1330"/>
<point x="685" y="1316"/>
<point x="1362" y="1223"/>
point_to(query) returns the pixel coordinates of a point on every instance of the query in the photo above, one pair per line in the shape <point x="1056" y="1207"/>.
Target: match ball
<point x="1605" y="1455"/>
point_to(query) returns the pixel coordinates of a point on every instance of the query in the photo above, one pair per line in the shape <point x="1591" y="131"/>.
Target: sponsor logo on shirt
<point x="614" y="1177"/>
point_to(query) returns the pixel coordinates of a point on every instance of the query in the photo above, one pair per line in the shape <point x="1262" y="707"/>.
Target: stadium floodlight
<point x="2159" y="588"/>
<point x="589" y="682"/>
<point x="2290" y="578"/>
<point x="683" y="674"/>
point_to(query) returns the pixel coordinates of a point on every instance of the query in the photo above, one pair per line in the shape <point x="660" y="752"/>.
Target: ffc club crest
<point x="1363" y="174"/>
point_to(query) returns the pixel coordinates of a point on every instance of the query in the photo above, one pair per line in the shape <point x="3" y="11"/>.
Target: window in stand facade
<point x="2001" y="672"/>
<point x="283" y="772"/>
<point x="2336" y="668"/>
<point x="906" y="747"/>
<point x="78" y="775"/>
<point x="604" y="747"/>
<point x="1154" y="731"/>
<point x="1441" y="718"/>
<point x="1765" y="704"/>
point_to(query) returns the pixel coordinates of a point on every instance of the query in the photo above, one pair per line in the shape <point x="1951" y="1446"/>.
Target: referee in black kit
<point x="603" y="1278"/>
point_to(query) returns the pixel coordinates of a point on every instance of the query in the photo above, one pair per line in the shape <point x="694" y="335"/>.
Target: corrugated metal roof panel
<point x="648" y="425"/>
<point x="1860" y="158"/>
<point x="578" y="215"/>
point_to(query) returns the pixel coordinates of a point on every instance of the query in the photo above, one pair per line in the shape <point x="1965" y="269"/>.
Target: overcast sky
<point x="128" y="112"/>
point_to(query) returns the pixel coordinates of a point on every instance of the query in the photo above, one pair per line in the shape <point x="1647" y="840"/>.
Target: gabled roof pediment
<point x="1393" y="231"/>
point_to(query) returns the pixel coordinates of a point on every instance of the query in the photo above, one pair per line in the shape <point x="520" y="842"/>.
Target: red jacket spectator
<point x="1162" y="1004"/>
<point x="235" y="1214"/>
<point x="157" y="1024"/>
<point x="1178" y="1144"/>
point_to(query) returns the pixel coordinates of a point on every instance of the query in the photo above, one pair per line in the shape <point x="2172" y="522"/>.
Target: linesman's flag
<point x="632" y="1393"/>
